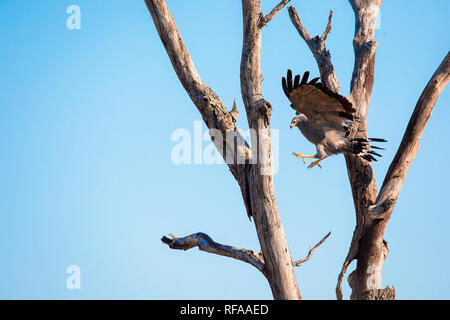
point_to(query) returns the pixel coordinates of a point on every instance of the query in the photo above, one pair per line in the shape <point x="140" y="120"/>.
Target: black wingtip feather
<point x="313" y="81"/>
<point x="284" y="85"/>
<point x="369" y="157"/>
<point x="346" y="115"/>
<point x="375" y="153"/>
<point x="289" y="80"/>
<point x="296" y="81"/>
<point x="305" y="78"/>
<point x="289" y="85"/>
<point x="361" y="147"/>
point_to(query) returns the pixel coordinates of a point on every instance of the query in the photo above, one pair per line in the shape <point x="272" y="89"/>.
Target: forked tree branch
<point x="212" y="110"/>
<point x="205" y="243"/>
<point x="254" y="177"/>
<point x="374" y="209"/>
<point x="328" y="28"/>
<point x="318" y="49"/>
<point x="266" y="18"/>
<point x="311" y="251"/>
<point x="409" y="146"/>
<point x="214" y="113"/>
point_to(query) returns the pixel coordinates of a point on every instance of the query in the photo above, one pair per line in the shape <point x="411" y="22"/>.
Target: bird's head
<point x="295" y="121"/>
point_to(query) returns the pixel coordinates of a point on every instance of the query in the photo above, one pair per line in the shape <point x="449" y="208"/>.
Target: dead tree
<point x="373" y="209"/>
<point x="252" y="167"/>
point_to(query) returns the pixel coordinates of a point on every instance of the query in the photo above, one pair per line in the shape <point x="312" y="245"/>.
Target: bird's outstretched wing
<point x="317" y="102"/>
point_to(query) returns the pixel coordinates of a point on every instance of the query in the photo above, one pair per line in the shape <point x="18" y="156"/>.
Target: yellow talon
<point x="317" y="163"/>
<point x="303" y="156"/>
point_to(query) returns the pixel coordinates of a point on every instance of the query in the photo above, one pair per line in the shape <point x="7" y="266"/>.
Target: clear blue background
<point x="86" y="176"/>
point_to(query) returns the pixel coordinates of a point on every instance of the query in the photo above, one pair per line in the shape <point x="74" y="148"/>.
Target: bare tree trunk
<point x="279" y="267"/>
<point x="366" y="279"/>
<point x="360" y="172"/>
<point x="372" y="210"/>
<point x="255" y="175"/>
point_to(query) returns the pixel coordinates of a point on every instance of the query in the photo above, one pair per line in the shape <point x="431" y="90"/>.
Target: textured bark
<point x="266" y="18"/>
<point x="409" y="146"/>
<point x="279" y="267"/>
<point x="373" y="248"/>
<point x="255" y="176"/>
<point x="205" y="243"/>
<point x="214" y="113"/>
<point x="318" y="49"/>
<point x="360" y="172"/>
<point x="372" y="210"/>
<point x="387" y="293"/>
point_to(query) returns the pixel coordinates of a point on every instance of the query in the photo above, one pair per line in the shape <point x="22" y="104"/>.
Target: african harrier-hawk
<point x="326" y="119"/>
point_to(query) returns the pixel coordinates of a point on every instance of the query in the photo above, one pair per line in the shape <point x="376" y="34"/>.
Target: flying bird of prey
<point x="326" y="119"/>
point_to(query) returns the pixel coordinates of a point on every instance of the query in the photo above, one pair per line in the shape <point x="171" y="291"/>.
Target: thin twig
<point x="318" y="49"/>
<point x="205" y="243"/>
<point x="266" y="18"/>
<point x="310" y="253"/>
<point x="298" y="24"/>
<point x="328" y="29"/>
<point x="339" y="294"/>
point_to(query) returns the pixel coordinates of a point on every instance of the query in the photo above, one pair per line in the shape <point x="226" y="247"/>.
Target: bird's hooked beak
<point x="293" y="123"/>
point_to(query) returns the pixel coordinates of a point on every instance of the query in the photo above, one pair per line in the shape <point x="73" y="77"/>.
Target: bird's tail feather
<point x="362" y="148"/>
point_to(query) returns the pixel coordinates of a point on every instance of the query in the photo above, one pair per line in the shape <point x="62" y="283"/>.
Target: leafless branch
<point x="311" y="251"/>
<point x="368" y="242"/>
<point x="266" y="18"/>
<point x="279" y="270"/>
<point x="409" y="146"/>
<point x="328" y="29"/>
<point x="255" y="178"/>
<point x="214" y="113"/>
<point x="340" y="277"/>
<point x="318" y="49"/>
<point x="351" y="255"/>
<point x="205" y="243"/>
<point x="365" y="46"/>
<point x="298" y="24"/>
<point x="360" y="172"/>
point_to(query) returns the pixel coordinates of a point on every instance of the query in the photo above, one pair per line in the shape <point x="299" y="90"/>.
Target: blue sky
<point x="86" y="177"/>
